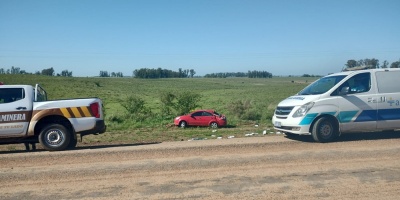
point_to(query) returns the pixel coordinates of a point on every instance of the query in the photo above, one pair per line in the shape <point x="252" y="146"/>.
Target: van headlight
<point x="303" y="109"/>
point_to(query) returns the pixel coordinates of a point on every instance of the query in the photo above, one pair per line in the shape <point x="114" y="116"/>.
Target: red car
<point x="201" y="118"/>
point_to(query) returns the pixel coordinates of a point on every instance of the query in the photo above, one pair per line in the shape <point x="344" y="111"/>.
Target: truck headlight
<point x="303" y="109"/>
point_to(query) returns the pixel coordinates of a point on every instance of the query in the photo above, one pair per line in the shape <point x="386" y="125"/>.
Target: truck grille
<point x="283" y="110"/>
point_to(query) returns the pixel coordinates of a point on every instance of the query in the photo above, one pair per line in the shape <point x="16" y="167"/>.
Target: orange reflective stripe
<point x="85" y="111"/>
<point x="76" y="112"/>
<point x="65" y="112"/>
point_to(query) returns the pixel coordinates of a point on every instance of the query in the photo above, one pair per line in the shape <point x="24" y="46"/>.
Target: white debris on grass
<point x="230" y="137"/>
<point x="250" y="134"/>
<point x="219" y="138"/>
<point x="193" y="139"/>
<point x="214" y="131"/>
<point x="264" y="132"/>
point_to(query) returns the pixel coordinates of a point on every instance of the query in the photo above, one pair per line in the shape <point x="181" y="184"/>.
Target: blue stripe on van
<point x="389" y="114"/>
<point x="308" y="119"/>
<point x="329" y="113"/>
<point x="366" y="115"/>
<point x="347" y="116"/>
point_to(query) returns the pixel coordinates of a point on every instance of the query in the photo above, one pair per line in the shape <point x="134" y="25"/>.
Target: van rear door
<point x="388" y="99"/>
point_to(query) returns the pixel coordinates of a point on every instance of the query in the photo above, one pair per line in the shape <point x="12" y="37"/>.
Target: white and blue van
<point x="351" y="101"/>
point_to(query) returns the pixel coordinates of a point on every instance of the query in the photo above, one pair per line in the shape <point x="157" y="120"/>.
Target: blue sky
<point x="284" y="37"/>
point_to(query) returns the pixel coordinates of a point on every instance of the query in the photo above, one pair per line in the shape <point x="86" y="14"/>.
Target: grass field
<point x="262" y="95"/>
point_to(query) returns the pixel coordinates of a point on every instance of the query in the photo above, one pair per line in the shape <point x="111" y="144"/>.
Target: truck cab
<point x="27" y="116"/>
<point x="351" y="101"/>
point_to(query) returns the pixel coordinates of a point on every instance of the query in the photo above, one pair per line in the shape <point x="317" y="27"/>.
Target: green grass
<point x="219" y="94"/>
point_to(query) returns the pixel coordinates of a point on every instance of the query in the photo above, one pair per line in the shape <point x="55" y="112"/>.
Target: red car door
<point x="195" y="119"/>
<point x="207" y="118"/>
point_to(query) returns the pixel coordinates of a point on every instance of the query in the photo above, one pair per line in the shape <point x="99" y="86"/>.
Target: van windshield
<point x="321" y="85"/>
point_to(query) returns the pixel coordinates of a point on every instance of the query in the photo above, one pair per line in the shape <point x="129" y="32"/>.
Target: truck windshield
<point x="322" y="85"/>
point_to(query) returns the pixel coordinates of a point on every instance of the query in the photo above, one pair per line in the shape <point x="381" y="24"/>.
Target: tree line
<point x="163" y="73"/>
<point x="46" y="72"/>
<point x="112" y="74"/>
<point x="249" y="74"/>
<point x="368" y="63"/>
<point x="352" y="64"/>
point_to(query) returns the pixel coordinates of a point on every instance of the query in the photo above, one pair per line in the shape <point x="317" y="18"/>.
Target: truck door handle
<point x="21" y="108"/>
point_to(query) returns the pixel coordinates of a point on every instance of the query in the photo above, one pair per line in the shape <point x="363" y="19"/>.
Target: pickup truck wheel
<point x="72" y="143"/>
<point x="324" y="130"/>
<point x="54" y="137"/>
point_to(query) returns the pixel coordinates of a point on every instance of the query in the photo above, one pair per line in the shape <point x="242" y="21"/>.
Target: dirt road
<point x="271" y="167"/>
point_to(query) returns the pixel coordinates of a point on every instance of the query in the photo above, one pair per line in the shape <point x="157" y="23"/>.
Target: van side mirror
<point x="344" y="90"/>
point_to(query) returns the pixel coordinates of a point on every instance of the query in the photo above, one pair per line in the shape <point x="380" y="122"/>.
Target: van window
<point x="359" y="83"/>
<point x="387" y="81"/>
<point x="8" y="95"/>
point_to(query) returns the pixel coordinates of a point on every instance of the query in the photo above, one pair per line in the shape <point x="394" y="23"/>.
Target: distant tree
<point x="192" y="73"/>
<point x="48" y="72"/>
<point x="351" y="63"/>
<point x="104" y="74"/>
<point x="395" y="64"/>
<point x="360" y="63"/>
<point x="66" y="73"/>
<point x="23" y="72"/>
<point x="2" y="71"/>
<point x="37" y="73"/>
<point x="385" y="64"/>
<point x="15" y="70"/>
<point x="186" y="73"/>
<point x="180" y="72"/>
<point x="371" y="63"/>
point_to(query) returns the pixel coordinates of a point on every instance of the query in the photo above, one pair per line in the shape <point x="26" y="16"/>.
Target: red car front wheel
<point x="182" y="124"/>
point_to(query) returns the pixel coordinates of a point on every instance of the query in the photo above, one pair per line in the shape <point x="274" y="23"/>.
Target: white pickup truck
<point x="26" y="116"/>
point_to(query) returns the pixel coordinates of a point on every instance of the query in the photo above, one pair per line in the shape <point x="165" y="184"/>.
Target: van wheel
<point x="54" y="137"/>
<point x="324" y="130"/>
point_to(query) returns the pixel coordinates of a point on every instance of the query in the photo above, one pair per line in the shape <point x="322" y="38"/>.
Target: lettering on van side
<point x="296" y="98"/>
<point x="392" y="102"/>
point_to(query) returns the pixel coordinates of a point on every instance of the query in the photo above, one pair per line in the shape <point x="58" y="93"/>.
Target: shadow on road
<point x="102" y="146"/>
<point x="348" y="137"/>
<point x="86" y="146"/>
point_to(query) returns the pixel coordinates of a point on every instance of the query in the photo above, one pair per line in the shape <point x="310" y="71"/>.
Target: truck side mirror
<point x="344" y="90"/>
